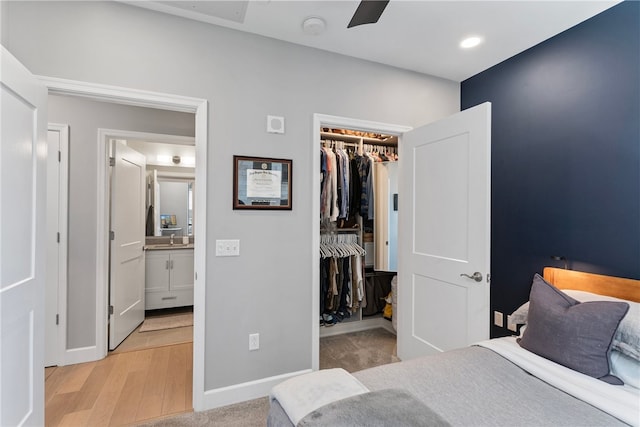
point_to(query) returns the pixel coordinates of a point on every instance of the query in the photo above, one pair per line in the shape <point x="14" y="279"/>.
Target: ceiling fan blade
<point x="368" y="12"/>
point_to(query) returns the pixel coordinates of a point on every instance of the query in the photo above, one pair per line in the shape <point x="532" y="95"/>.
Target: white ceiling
<point x="161" y="154"/>
<point x="422" y="36"/>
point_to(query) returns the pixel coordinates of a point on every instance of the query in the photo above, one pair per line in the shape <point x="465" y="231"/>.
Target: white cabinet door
<point x="444" y="222"/>
<point x="23" y="155"/>
<point x="157" y="271"/>
<point x="181" y="269"/>
<point x="169" y="278"/>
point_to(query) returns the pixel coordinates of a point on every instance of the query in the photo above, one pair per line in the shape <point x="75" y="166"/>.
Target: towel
<point x="304" y="394"/>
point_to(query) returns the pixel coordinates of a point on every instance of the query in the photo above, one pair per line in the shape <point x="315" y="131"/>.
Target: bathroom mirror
<point x="173" y="204"/>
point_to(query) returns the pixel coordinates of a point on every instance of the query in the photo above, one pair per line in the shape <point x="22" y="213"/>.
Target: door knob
<point x="477" y="276"/>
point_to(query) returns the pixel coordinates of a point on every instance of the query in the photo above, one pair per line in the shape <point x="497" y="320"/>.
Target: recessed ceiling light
<point x="470" y="42"/>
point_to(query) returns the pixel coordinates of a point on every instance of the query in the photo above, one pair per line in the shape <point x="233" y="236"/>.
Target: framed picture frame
<point x="262" y="183"/>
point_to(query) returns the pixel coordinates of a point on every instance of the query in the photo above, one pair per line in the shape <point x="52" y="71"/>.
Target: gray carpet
<point x="353" y="352"/>
<point x="358" y="350"/>
<point x="245" y="414"/>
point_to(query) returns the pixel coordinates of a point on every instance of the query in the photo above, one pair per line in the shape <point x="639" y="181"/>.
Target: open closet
<point x="358" y="230"/>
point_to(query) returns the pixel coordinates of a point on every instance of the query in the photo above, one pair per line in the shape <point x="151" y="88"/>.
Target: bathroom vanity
<point x="168" y="275"/>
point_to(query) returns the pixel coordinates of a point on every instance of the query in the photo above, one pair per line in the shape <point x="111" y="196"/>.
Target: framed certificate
<point x="261" y="183"/>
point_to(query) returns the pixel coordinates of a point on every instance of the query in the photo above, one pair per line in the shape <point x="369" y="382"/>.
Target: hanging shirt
<point x="355" y="189"/>
<point x="323" y="182"/>
<point x="362" y="164"/>
<point x="339" y="161"/>
<point x="370" y="206"/>
<point x="344" y="183"/>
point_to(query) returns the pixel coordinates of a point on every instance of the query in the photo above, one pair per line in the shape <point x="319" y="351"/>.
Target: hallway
<point x="122" y="389"/>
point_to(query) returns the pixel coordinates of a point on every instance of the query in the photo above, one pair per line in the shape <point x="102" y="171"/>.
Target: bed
<point x="562" y="371"/>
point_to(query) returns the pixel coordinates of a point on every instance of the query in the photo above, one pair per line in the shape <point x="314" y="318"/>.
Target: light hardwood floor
<point x="141" y="340"/>
<point x="122" y="389"/>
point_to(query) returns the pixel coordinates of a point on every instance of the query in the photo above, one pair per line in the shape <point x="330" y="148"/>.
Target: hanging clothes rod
<point x="391" y="141"/>
<point x="362" y="148"/>
<point x="346" y="144"/>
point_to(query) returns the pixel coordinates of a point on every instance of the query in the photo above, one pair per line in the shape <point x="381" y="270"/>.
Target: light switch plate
<point x="227" y="247"/>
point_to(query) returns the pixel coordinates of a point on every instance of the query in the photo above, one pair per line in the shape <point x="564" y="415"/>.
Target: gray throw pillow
<point x="573" y="334"/>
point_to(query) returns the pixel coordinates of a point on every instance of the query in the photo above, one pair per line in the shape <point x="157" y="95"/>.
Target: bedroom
<point x="528" y="242"/>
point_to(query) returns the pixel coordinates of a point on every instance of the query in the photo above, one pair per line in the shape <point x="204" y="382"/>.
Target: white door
<point x="155" y="188"/>
<point x="23" y="124"/>
<point x="126" y="285"/>
<point x="55" y="295"/>
<point x="445" y="234"/>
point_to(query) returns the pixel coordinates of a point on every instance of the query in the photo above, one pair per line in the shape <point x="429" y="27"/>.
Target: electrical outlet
<point x="498" y="319"/>
<point x="254" y="342"/>
<point x="510" y="325"/>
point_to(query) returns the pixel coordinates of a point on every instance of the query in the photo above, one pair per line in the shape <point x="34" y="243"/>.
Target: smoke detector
<point x="313" y="26"/>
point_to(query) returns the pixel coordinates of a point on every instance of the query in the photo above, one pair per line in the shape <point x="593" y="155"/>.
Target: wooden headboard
<point x="618" y="287"/>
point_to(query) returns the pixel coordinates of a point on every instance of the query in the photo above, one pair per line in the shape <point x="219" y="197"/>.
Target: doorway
<point x="360" y="322"/>
<point x="167" y="223"/>
<point x="164" y="101"/>
<point x="444" y="230"/>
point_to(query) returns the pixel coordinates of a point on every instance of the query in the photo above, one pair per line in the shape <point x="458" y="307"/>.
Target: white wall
<point x="244" y="77"/>
<point x="4" y="23"/>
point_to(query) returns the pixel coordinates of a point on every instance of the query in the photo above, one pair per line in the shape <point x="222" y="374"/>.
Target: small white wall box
<point x="275" y="124"/>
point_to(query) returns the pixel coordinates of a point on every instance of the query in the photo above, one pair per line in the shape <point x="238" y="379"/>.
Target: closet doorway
<point x="356" y="240"/>
<point x="444" y="254"/>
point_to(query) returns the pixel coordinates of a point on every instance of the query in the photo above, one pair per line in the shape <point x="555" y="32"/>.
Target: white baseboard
<point x="356" y="326"/>
<point x="80" y="355"/>
<point x="218" y="397"/>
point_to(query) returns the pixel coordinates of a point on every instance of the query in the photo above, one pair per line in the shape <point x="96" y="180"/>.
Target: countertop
<point x="165" y="246"/>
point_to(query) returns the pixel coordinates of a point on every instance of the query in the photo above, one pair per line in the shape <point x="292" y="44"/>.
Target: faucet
<point x="171" y="239"/>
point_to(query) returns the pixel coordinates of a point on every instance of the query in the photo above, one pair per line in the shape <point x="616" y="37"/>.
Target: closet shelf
<point x="391" y="141"/>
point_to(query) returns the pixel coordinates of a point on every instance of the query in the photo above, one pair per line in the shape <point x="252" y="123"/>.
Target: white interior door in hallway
<point x="23" y="132"/>
<point x="444" y="234"/>
<point x="56" y="287"/>
<point x="126" y="287"/>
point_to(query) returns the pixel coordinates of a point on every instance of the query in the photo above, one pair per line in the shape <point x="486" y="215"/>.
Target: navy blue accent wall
<point x="565" y="154"/>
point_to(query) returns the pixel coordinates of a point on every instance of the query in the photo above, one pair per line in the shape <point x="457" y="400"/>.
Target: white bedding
<point x="302" y="395"/>
<point x="622" y="402"/>
<point x="526" y="390"/>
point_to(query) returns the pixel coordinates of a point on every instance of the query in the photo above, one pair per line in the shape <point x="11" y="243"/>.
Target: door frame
<point x="319" y="121"/>
<point x="103" y="192"/>
<point x="164" y="101"/>
<point x="59" y="248"/>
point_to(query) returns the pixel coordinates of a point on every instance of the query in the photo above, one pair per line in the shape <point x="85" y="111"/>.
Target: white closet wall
<point x="386" y="216"/>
